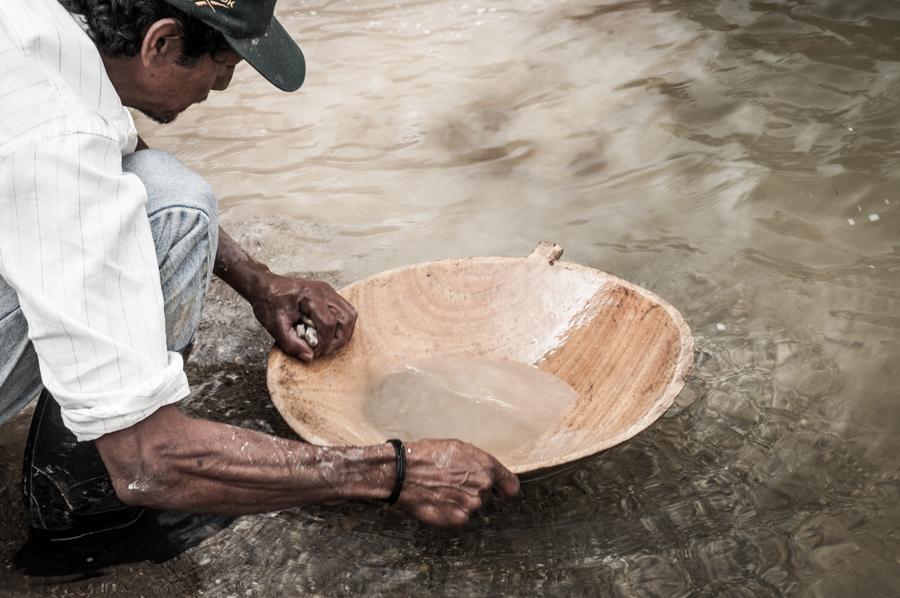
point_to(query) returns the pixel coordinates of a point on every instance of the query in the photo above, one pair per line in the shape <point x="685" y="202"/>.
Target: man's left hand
<point x="283" y="300"/>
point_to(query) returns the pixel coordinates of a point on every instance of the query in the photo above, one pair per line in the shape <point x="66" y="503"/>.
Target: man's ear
<point x="162" y="43"/>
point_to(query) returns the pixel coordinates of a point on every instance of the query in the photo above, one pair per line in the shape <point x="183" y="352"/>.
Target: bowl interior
<point x="622" y="350"/>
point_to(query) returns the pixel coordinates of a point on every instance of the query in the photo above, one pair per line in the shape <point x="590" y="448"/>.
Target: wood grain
<point x="624" y="350"/>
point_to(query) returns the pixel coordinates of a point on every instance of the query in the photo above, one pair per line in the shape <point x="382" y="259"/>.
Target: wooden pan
<point x="623" y="350"/>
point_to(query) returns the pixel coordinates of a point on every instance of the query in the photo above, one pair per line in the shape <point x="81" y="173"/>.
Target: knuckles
<point x="482" y="480"/>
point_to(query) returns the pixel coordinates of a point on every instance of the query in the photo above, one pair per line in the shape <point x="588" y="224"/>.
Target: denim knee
<point x="169" y="182"/>
<point x="20" y="378"/>
<point x="183" y="212"/>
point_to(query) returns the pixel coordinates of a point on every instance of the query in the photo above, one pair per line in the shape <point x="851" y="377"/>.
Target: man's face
<point x="171" y="87"/>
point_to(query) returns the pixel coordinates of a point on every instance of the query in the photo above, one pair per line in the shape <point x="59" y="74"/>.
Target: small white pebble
<point x="849" y="128"/>
<point x="887" y="202"/>
<point x="874" y="217"/>
<point x="312" y="337"/>
<point x="720" y="326"/>
<point x="851" y="221"/>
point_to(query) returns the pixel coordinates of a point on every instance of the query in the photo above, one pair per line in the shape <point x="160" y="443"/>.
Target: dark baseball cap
<point x="252" y="31"/>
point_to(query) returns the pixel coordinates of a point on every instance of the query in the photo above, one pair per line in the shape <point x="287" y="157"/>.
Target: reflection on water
<point x="738" y="157"/>
<point x="500" y="406"/>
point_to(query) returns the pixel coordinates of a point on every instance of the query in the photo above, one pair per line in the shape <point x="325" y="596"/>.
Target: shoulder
<point x="53" y="82"/>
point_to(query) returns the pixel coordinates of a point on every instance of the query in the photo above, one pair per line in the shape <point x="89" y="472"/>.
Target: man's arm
<point x="172" y="461"/>
<point x="77" y="247"/>
<point x="279" y="301"/>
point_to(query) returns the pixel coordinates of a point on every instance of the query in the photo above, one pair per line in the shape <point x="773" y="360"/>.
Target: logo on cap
<point x="214" y="3"/>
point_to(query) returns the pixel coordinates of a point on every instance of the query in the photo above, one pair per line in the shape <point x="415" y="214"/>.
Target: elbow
<point x="137" y="489"/>
<point x="129" y="494"/>
<point x="137" y="468"/>
<point x="141" y="483"/>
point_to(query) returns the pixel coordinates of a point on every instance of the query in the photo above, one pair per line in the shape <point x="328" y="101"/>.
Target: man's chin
<point x="160" y="117"/>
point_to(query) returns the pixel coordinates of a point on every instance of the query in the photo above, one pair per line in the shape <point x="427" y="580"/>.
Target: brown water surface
<point x="740" y="158"/>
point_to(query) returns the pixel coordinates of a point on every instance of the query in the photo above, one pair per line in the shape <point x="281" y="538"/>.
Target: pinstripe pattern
<point x="75" y="240"/>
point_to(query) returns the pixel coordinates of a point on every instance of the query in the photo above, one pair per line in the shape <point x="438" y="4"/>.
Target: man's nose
<point x="223" y="79"/>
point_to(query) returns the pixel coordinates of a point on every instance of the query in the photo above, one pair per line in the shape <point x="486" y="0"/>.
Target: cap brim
<point x="275" y="55"/>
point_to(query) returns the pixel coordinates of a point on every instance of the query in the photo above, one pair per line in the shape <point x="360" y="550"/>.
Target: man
<point x="106" y="251"/>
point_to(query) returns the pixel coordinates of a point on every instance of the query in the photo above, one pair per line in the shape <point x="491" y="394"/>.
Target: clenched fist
<point x="284" y="300"/>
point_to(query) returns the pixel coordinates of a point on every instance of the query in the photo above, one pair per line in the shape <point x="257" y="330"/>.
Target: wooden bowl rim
<point x="674" y="385"/>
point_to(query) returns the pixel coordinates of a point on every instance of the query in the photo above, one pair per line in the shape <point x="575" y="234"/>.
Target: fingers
<point x="315" y="308"/>
<point x="348" y="315"/>
<point x="471" y="502"/>
<point x="458" y="517"/>
<point x="454" y="512"/>
<point x="335" y="318"/>
<point x="285" y="300"/>
<point x="344" y="317"/>
<point x="448" y="494"/>
<point x="498" y="475"/>
<point x="505" y="480"/>
<point x="288" y="341"/>
<point x="346" y="322"/>
<point x="340" y="332"/>
<point x="442" y="517"/>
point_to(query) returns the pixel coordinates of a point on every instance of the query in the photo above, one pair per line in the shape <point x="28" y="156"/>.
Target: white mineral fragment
<point x="312" y="337"/>
<point x="308" y="321"/>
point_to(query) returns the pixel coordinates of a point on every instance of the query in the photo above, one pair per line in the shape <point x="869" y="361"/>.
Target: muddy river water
<point x="740" y="158"/>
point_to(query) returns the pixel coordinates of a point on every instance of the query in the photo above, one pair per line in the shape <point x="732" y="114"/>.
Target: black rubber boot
<point x="77" y="524"/>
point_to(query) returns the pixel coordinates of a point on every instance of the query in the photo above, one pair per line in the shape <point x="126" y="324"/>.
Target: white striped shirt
<point x="75" y="240"/>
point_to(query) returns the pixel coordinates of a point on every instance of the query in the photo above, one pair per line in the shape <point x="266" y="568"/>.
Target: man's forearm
<point x="237" y="267"/>
<point x="171" y="461"/>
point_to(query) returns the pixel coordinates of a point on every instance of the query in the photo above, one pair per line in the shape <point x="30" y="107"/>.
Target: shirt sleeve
<point x="76" y="245"/>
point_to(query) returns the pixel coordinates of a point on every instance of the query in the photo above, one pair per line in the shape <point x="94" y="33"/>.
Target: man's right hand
<point x="448" y="480"/>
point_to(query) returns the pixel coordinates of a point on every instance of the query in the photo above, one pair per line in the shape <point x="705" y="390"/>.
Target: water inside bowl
<point x="500" y="406"/>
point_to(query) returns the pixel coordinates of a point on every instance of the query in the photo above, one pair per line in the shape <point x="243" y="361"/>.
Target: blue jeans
<point x="76" y="521"/>
<point x="184" y="219"/>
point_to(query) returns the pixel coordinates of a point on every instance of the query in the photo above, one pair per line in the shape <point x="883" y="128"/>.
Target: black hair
<point x="118" y="27"/>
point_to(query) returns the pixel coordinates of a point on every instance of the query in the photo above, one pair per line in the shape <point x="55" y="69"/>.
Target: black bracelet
<point x="401" y="470"/>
